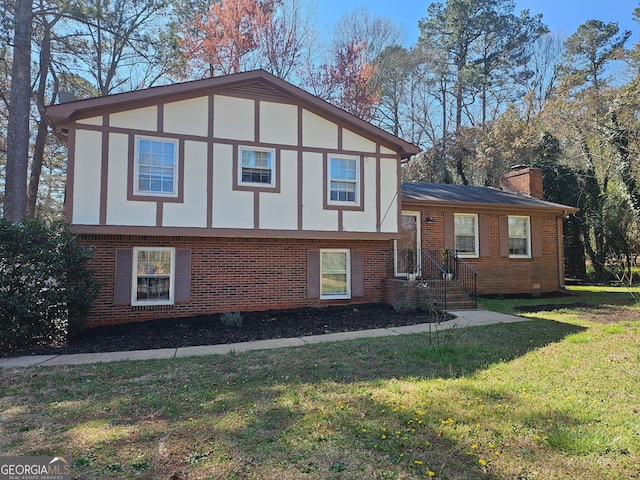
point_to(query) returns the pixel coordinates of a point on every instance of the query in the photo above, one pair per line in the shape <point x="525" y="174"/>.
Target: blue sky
<point x="559" y="15"/>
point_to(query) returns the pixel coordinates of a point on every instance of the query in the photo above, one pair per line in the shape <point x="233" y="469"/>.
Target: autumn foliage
<point x="350" y="80"/>
<point x="216" y="43"/>
<point x="239" y="35"/>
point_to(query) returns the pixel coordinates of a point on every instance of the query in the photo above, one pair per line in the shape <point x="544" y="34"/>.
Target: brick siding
<point x="498" y="274"/>
<point x="234" y="274"/>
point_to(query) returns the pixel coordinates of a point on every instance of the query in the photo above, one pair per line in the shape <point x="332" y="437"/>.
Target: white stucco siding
<point x="314" y="216"/>
<point x="137" y="119"/>
<point x="233" y="118"/>
<point x="120" y="211"/>
<point x="193" y="211"/>
<point x="279" y="211"/>
<point x="278" y="123"/>
<point x="353" y="141"/>
<point x="389" y="193"/>
<point x="387" y="151"/>
<point x="86" y="178"/>
<point x="189" y="117"/>
<point x="90" y="121"/>
<point x="318" y="132"/>
<point x="364" y="221"/>
<point x="231" y="209"/>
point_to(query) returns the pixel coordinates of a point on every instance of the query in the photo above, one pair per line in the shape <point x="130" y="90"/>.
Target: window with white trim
<point x="344" y="182"/>
<point x="156" y="167"/>
<point x="519" y="237"/>
<point x="257" y="166"/>
<point x="466" y="234"/>
<point x="335" y="273"/>
<point x="153" y="276"/>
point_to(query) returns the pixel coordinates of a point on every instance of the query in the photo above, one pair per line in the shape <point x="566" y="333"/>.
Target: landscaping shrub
<point x="46" y="289"/>
<point x="231" y="319"/>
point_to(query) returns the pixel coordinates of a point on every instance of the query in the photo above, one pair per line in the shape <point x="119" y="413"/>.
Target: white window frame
<point x="528" y="236"/>
<point x="135" y="275"/>
<point x="355" y="182"/>
<point x="347" y="271"/>
<point x="136" y="168"/>
<point x="272" y="151"/>
<point x="476" y="240"/>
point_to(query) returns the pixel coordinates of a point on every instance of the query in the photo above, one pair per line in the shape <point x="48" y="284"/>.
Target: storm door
<point x="407" y="248"/>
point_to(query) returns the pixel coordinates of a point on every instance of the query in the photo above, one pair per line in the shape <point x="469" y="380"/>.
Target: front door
<point x="407" y="248"/>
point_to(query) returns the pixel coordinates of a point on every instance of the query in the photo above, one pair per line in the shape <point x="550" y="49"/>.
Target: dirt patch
<point x="208" y="329"/>
<point x="587" y="311"/>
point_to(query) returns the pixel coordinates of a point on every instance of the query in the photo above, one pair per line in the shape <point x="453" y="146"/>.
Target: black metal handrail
<point x="459" y="270"/>
<point x="467" y="279"/>
<point x="433" y="270"/>
<point x="438" y="268"/>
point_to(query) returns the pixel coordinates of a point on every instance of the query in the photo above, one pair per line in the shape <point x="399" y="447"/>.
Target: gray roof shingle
<point x="447" y="193"/>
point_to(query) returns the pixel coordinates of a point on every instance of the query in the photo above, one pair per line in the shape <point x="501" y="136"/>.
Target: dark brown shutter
<point x="122" y="278"/>
<point x="313" y="274"/>
<point x="504" y="235"/>
<point x="536" y="237"/>
<point x="484" y="225"/>
<point x="182" y="276"/>
<point x="357" y="273"/>
<point x="449" y="233"/>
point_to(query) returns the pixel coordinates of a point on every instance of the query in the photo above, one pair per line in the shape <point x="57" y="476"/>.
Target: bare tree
<point x="287" y="38"/>
<point x="116" y="43"/>
<point x="360" y="28"/>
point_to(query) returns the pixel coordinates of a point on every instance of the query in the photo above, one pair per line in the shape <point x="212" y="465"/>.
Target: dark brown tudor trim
<point x="132" y="196"/>
<point x="254" y="187"/>
<point x="227" y="232"/>
<point x="104" y="171"/>
<point x="224" y="141"/>
<point x="68" y="210"/>
<point x="327" y="205"/>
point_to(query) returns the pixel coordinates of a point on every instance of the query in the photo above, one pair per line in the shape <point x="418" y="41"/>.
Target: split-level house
<point x="244" y="192"/>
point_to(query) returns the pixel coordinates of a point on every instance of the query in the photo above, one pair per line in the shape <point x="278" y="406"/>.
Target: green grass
<point x="554" y="398"/>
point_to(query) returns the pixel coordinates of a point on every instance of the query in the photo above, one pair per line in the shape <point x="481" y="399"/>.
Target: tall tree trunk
<point x="43" y="124"/>
<point x="15" y="199"/>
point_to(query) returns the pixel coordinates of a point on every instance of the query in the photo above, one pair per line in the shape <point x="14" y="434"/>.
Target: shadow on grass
<point x="304" y="412"/>
<point x="445" y="354"/>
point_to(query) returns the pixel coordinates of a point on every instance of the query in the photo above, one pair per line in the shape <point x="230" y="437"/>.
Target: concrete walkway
<point x="467" y="318"/>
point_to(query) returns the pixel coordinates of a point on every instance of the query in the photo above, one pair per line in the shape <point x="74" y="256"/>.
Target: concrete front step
<point x="456" y="298"/>
<point x="467" y="305"/>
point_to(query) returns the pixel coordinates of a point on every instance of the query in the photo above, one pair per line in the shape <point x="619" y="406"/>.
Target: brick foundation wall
<point x="234" y="274"/>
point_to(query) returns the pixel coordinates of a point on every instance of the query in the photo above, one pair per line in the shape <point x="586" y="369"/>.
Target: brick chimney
<point x="521" y="179"/>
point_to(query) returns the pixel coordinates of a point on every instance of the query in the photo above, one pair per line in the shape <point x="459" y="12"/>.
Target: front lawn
<point x="554" y="398"/>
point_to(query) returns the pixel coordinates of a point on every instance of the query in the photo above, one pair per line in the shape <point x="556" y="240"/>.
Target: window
<point x="343" y="180"/>
<point x="156" y="167"/>
<point x="335" y="274"/>
<point x="519" y="237"/>
<point x="257" y="166"/>
<point x="153" y="276"/>
<point x="466" y="234"/>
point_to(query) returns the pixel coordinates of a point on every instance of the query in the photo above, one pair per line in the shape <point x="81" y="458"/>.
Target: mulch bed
<point x="208" y="329"/>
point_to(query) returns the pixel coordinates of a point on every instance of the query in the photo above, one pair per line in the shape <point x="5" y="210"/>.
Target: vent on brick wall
<point x="136" y="308"/>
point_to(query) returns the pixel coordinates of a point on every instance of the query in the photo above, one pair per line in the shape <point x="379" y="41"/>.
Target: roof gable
<point x="253" y="84"/>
